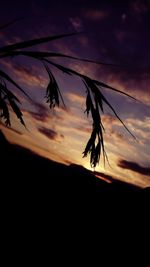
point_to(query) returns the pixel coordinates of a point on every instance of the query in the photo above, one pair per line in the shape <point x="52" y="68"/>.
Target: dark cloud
<point x="42" y="112"/>
<point x="37" y="116"/>
<point x="49" y="133"/>
<point x="133" y="166"/>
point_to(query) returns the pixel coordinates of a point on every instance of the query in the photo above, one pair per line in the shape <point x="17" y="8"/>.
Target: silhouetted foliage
<point x="95" y="100"/>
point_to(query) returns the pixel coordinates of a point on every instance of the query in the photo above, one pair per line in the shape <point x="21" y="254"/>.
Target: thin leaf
<point x="53" y="80"/>
<point x="105" y="100"/>
<point x="112" y="88"/>
<point x="92" y="154"/>
<point x="100" y="102"/>
<point x="5" y="112"/>
<point x="8" y="78"/>
<point x="43" y="54"/>
<point x="85" y="77"/>
<point x="8" y="93"/>
<point x="97" y="154"/>
<point x="34" y="42"/>
<point x="16" y="110"/>
<point x="95" y="90"/>
<point x="102" y="143"/>
<point x="88" y="103"/>
<point x="9" y="23"/>
<point x="64" y="69"/>
<point x="90" y="143"/>
<point x="77" y="58"/>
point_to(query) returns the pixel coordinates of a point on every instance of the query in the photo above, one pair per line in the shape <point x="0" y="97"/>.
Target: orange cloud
<point x="109" y="119"/>
<point x="75" y="98"/>
<point x="28" y="75"/>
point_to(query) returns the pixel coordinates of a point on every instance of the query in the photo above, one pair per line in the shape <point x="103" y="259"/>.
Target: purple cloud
<point x="49" y="133"/>
<point x="42" y="113"/>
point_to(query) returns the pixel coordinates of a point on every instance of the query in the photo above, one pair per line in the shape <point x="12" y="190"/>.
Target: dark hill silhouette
<point x="30" y="178"/>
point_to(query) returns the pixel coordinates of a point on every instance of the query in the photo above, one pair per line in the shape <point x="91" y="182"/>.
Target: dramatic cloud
<point x="133" y="166"/>
<point x="37" y="116"/>
<point x="41" y="114"/>
<point x="27" y="74"/>
<point x="49" y="133"/>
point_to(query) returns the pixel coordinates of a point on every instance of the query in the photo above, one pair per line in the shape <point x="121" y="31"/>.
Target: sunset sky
<point x="113" y="32"/>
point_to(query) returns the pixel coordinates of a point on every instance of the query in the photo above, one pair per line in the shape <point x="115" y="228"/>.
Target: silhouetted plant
<point x="95" y="100"/>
